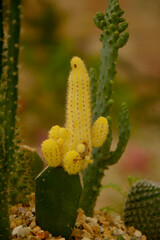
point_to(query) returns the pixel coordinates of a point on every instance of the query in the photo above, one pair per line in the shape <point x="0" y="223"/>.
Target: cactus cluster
<point x="113" y="37"/>
<point x="142" y="208"/>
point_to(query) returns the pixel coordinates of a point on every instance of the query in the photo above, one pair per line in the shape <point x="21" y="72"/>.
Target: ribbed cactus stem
<point x="112" y="39"/>
<point x="8" y="94"/>
<point x="12" y="82"/>
<point x="1" y="38"/>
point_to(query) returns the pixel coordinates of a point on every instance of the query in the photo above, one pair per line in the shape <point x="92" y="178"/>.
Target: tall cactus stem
<point x="8" y="93"/>
<point x="11" y="92"/>
<point x="1" y="38"/>
<point x="113" y="37"/>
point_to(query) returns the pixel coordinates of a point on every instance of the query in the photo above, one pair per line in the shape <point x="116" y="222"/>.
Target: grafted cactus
<point x="113" y="37"/>
<point x="70" y="148"/>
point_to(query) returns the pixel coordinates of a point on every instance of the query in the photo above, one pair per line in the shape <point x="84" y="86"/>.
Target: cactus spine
<point x="113" y="37"/>
<point x="142" y="208"/>
<point x="8" y="95"/>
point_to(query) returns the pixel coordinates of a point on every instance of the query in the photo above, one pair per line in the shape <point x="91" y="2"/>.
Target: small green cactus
<point x="113" y="37"/>
<point x="142" y="208"/>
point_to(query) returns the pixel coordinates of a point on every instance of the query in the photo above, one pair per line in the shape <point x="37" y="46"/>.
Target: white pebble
<point x="137" y="234"/>
<point x="21" y="231"/>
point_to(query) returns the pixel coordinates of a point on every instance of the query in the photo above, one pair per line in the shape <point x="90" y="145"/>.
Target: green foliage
<point x="142" y="208"/>
<point x="113" y="37"/>
<point x="57" y="201"/>
<point x="22" y="181"/>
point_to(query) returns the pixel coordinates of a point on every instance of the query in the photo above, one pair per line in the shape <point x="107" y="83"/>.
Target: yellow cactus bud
<point x="54" y="132"/>
<point x="78" y="114"/>
<point x="80" y="148"/>
<point x="72" y="162"/>
<point x="99" y="131"/>
<point x="60" y="142"/>
<point x="51" y="153"/>
<point x="63" y="133"/>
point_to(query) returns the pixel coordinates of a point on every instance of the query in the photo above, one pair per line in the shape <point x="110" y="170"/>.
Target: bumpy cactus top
<point x="71" y="146"/>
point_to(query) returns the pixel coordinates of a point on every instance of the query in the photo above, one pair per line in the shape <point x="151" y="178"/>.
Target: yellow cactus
<point x="99" y="131"/>
<point x="51" y="153"/>
<point x="73" y="144"/>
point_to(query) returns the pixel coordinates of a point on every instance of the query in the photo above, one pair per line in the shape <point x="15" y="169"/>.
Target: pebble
<point x="21" y="231"/>
<point x="137" y="234"/>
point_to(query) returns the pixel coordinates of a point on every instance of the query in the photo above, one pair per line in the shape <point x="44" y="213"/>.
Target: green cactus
<point x="8" y="107"/>
<point x="142" y="208"/>
<point x="113" y="37"/>
<point x="57" y="201"/>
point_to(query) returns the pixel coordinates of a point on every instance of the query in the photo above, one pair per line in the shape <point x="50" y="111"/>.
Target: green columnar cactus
<point x="8" y="104"/>
<point x="113" y="37"/>
<point x="142" y="208"/>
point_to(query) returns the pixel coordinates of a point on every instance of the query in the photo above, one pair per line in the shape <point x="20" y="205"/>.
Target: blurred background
<point x="54" y="31"/>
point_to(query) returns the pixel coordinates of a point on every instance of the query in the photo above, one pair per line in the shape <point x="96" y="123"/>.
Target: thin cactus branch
<point x="124" y="133"/>
<point x="113" y="37"/>
<point x="94" y="85"/>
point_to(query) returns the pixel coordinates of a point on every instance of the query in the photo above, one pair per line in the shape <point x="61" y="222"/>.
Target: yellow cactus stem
<point x="78" y="113"/>
<point x="71" y="146"/>
<point x="99" y="132"/>
<point x="51" y="153"/>
<point x="72" y="162"/>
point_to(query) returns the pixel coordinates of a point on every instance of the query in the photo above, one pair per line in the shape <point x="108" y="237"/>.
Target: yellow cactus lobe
<point x="72" y="162"/>
<point x="78" y="113"/>
<point x="51" y="153"/>
<point x="54" y="132"/>
<point x="99" y="131"/>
